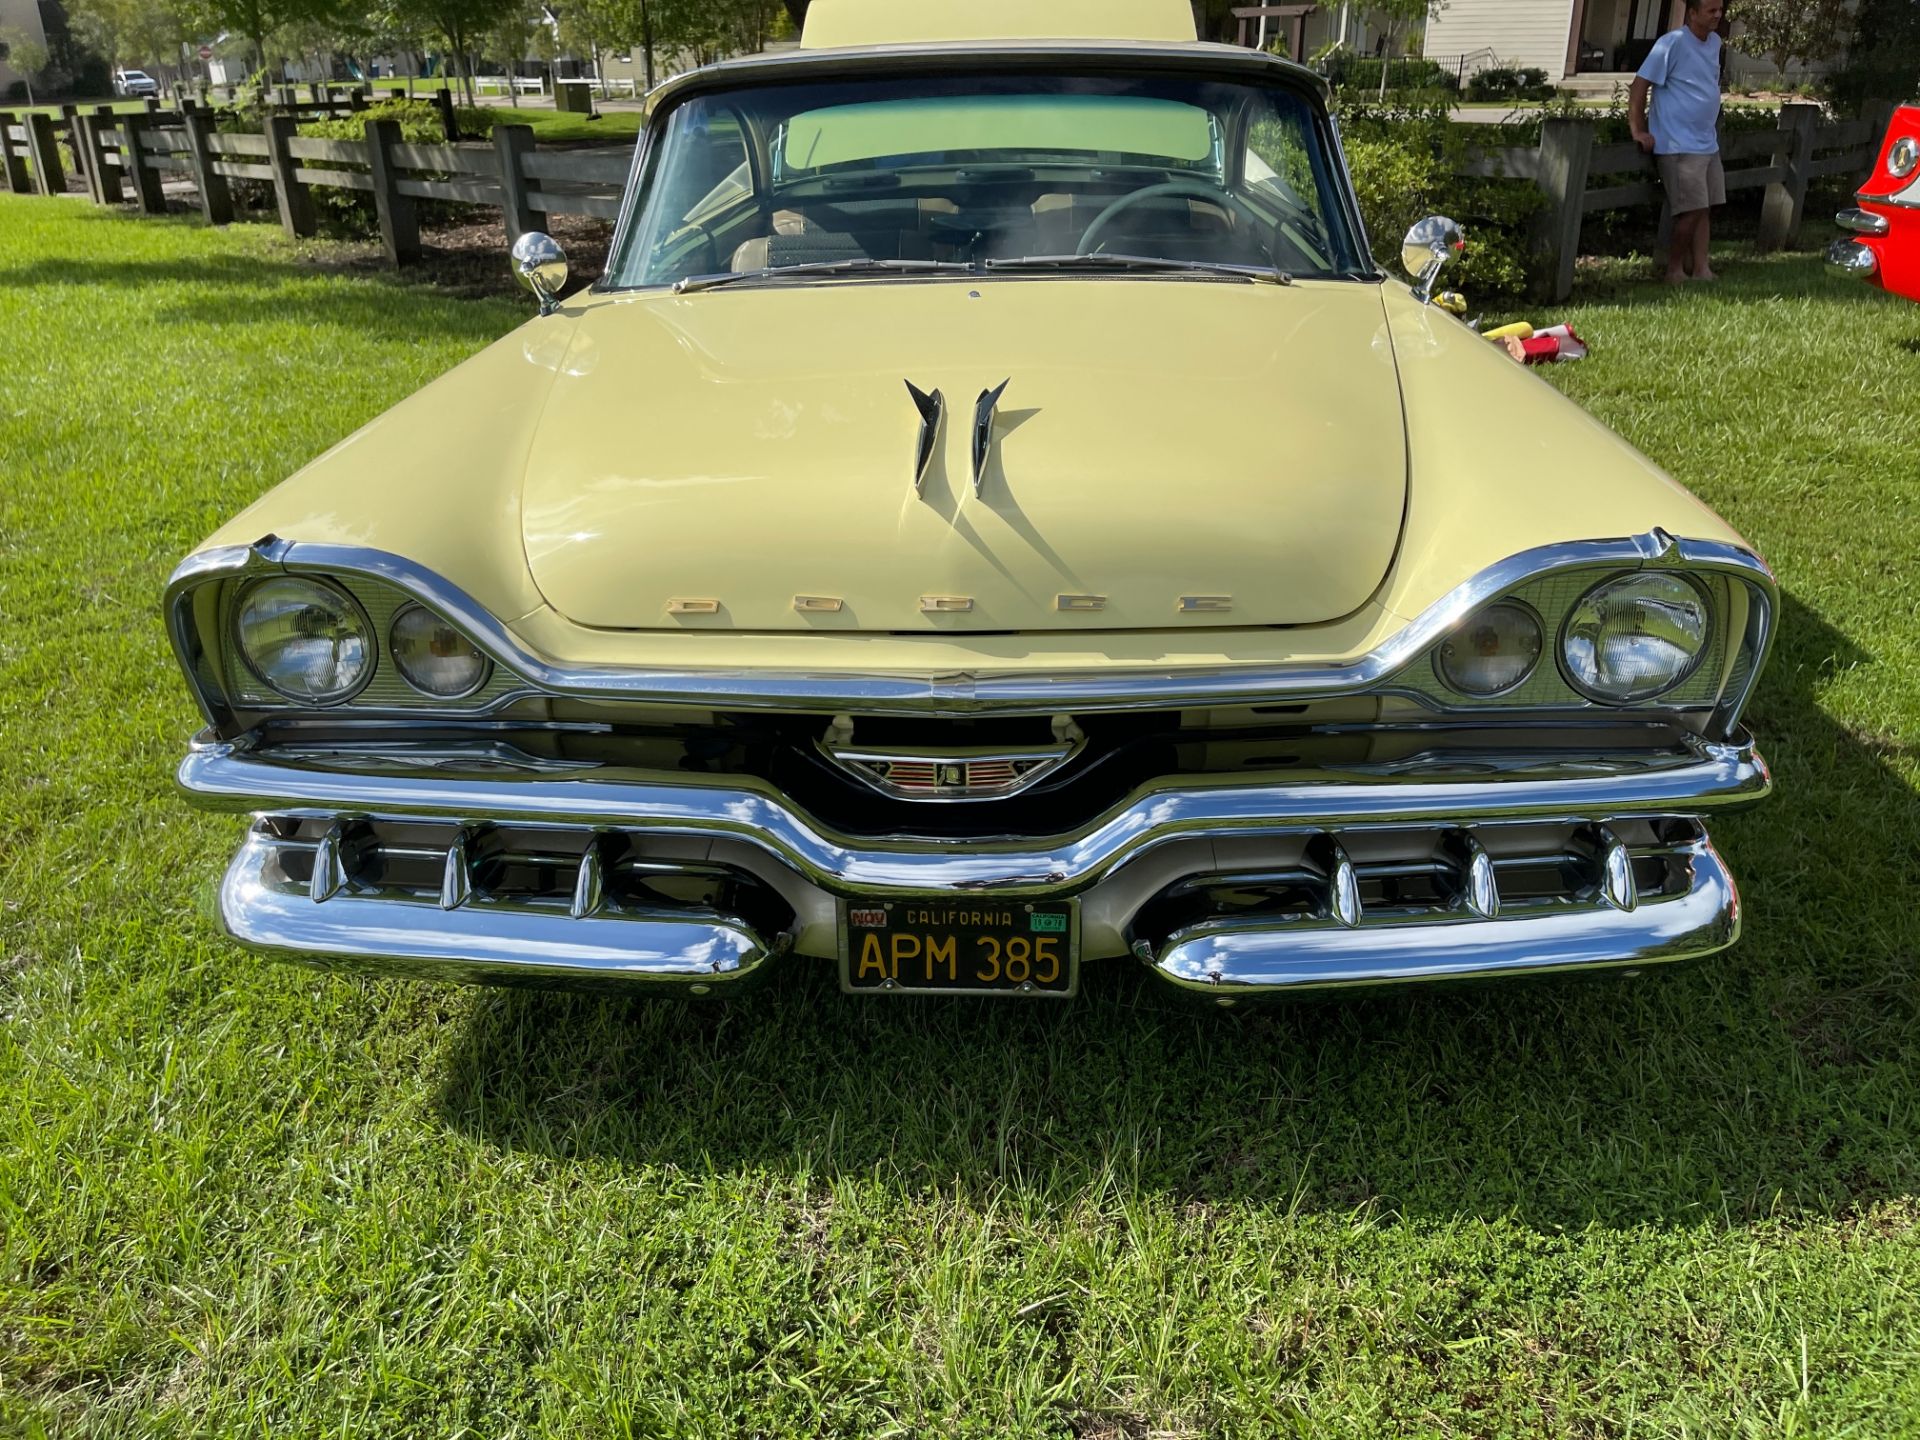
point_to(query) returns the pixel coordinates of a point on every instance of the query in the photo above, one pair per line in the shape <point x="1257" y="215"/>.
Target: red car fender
<point x="1884" y="247"/>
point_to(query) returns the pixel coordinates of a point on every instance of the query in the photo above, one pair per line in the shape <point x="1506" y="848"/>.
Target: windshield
<point x="974" y="171"/>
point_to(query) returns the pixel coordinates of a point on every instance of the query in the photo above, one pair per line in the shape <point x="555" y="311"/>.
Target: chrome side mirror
<point x="541" y="265"/>
<point x="1431" y="245"/>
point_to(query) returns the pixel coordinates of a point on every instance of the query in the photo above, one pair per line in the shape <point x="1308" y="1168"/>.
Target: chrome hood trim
<point x="968" y="693"/>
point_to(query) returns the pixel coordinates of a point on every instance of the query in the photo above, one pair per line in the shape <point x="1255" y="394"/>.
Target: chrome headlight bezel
<point x="482" y="675"/>
<point x="1680" y="677"/>
<point x="370" y="638"/>
<point x="1508" y="602"/>
<point x="1903" y="156"/>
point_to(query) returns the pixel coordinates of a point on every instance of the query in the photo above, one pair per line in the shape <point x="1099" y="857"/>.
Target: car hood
<point x="1166" y="453"/>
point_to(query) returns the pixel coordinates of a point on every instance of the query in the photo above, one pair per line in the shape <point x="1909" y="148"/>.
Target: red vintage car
<point x="1884" y="248"/>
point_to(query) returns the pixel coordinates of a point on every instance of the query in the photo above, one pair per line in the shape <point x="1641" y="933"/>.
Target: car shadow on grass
<point x="1774" y="1079"/>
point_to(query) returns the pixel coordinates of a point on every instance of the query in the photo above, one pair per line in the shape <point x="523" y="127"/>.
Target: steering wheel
<point x="1192" y="189"/>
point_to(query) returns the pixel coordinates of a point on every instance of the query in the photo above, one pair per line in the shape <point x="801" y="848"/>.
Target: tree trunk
<point x="646" y="43"/>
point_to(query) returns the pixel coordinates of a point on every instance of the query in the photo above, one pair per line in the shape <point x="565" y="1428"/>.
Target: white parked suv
<point x="135" y="82"/>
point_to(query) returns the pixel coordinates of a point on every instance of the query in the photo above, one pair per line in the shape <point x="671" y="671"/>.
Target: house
<point x="22" y="16"/>
<point x="1590" y="45"/>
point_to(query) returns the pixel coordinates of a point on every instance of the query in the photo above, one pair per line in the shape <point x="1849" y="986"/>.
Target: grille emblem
<point x="950" y="775"/>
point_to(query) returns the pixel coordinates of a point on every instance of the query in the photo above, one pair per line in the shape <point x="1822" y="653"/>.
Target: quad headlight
<point x="1635" y="637"/>
<point x="1493" y="652"/>
<point x="306" y="639"/>
<point x="433" y="657"/>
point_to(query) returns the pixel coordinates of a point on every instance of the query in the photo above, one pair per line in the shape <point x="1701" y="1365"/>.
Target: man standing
<point x="1683" y="76"/>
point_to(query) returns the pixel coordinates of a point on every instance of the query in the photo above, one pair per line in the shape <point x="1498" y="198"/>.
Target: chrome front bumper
<point x="316" y="877"/>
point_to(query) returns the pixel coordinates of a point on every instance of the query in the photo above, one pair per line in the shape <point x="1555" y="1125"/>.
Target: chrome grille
<point x="578" y="873"/>
<point x="1395" y="877"/>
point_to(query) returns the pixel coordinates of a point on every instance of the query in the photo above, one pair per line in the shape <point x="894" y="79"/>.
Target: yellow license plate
<point x="942" y="947"/>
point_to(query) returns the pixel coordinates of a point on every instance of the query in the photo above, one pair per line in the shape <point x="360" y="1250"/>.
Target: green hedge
<point x="1403" y="156"/>
<point x="1350" y="72"/>
<point x="1504" y="82"/>
<point x="351" y="211"/>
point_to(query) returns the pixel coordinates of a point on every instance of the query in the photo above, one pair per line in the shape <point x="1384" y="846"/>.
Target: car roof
<point x="840" y="24"/>
<point x="1229" y="62"/>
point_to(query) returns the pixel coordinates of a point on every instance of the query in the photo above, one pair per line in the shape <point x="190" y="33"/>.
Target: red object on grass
<point x="1886" y="224"/>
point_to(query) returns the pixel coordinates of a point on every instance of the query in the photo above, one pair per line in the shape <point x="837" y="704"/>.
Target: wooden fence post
<point x="12" y="161"/>
<point x="399" y="215"/>
<point x="296" y="205"/>
<point x="216" y="198"/>
<point x="443" y="101"/>
<point x="105" y="176"/>
<point x="510" y="144"/>
<point x="1566" y="149"/>
<point x="48" y="178"/>
<point x="146" y="181"/>
<point x="71" y="116"/>
<point x="1785" y="203"/>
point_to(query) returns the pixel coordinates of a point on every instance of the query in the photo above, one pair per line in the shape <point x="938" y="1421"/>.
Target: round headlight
<point x="1903" y="157"/>
<point x="1494" y="651"/>
<point x="433" y="657"/>
<point x="304" y="638"/>
<point x="1635" y="637"/>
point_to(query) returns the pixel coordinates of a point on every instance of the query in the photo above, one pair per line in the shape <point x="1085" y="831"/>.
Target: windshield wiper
<point x="1268" y="274"/>
<point x="862" y="265"/>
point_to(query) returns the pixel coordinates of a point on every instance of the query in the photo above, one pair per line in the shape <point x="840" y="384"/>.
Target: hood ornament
<point x="983" y="430"/>
<point x="931" y="408"/>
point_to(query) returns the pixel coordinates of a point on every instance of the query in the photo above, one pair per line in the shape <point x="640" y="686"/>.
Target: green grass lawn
<point x="550" y="126"/>
<point x="239" y="1198"/>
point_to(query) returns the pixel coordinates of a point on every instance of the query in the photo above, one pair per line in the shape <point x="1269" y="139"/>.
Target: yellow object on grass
<point x="1518" y="330"/>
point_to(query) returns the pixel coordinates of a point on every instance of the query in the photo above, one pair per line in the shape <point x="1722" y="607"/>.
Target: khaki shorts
<point x="1693" y="182"/>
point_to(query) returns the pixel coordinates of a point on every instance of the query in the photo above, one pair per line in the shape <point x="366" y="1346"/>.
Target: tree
<point x="1883" y="56"/>
<point x="513" y="37"/>
<point x="461" y="23"/>
<point x="25" y="53"/>
<point x="132" y="32"/>
<point x="252" y="20"/>
<point x="1810" y="31"/>
<point x="1397" y="13"/>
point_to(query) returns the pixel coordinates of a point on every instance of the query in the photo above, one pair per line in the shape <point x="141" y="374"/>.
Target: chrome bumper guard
<point x="1367" y="877"/>
<point x="1854" y="257"/>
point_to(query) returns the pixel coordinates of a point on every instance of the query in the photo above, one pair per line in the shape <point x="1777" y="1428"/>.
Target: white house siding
<point x="1518" y="32"/>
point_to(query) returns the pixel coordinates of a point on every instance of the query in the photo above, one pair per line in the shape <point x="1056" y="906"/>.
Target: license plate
<point x="956" y="947"/>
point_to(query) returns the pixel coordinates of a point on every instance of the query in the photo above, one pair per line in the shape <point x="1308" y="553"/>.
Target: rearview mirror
<point x="1431" y="245"/>
<point x="541" y="265"/>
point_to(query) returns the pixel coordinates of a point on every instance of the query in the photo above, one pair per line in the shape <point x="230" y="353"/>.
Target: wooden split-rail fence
<point x="118" y="153"/>
<point x="1580" y="177"/>
<point x="125" y="157"/>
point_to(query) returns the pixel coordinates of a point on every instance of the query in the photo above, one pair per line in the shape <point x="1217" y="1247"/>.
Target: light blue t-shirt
<point x="1685" y="75"/>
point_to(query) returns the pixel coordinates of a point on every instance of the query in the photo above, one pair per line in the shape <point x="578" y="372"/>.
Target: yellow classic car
<point x="991" y="516"/>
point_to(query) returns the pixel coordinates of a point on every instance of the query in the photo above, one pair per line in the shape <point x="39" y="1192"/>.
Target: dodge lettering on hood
<point x="992" y="516"/>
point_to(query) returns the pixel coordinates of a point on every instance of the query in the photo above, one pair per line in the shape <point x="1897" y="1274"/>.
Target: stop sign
<point x="206" y="52"/>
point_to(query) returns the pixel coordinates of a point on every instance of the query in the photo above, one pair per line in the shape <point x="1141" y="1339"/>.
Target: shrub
<point x="1504" y="82"/>
<point x="419" y="122"/>
<point x="1403" y="158"/>
<point x="352" y="211"/>
<point x="1346" y="71"/>
<point x="1880" y="62"/>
